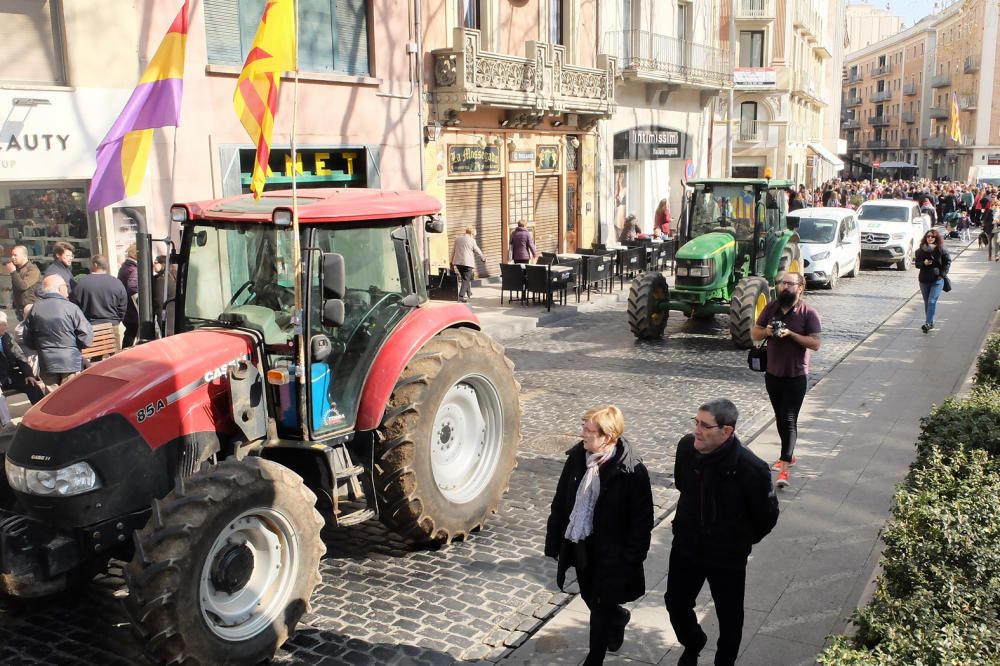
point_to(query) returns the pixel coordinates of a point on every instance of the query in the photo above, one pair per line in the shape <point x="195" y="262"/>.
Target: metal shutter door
<point x="546" y="215"/>
<point x="476" y="203"/>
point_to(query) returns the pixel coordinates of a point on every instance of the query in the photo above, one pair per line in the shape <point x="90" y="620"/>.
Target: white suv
<point x="891" y="230"/>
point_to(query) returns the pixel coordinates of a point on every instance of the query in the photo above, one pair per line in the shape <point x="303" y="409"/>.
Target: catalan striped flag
<point x="956" y="129"/>
<point x="256" y="99"/>
<point x="155" y="102"/>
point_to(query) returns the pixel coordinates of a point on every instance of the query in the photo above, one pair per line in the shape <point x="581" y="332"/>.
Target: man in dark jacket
<point x="62" y="264"/>
<point x="24" y="278"/>
<point x="522" y="247"/>
<point x="102" y="297"/>
<point x="726" y="505"/>
<point x="15" y="371"/>
<point x="58" y="330"/>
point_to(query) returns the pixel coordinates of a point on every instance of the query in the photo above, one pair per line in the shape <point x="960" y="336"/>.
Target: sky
<point x="910" y="11"/>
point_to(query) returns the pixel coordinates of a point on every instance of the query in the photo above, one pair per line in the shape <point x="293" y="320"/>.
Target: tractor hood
<point x="706" y="245"/>
<point x="164" y="388"/>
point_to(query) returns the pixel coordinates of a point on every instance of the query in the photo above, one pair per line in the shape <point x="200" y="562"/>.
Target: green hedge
<point x="937" y="600"/>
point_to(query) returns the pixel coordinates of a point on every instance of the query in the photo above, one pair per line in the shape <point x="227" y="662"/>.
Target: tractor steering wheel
<point x="248" y="283"/>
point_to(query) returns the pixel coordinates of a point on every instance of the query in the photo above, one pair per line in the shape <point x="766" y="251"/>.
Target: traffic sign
<point x="688" y="170"/>
<point x="876" y="164"/>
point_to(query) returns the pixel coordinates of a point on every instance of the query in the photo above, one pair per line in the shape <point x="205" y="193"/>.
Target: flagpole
<point x="300" y="322"/>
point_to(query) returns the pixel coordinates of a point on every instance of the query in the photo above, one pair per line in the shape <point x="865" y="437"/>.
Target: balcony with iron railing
<point x="852" y="101"/>
<point x="853" y="144"/>
<point x="855" y="76"/>
<point x="934" y="142"/>
<point x="880" y="96"/>
<point x="971" y="64"/>
<point x="941" y="80"/>
<point x="904" y="143"/>
<point x="751" y="131"/>
<point x="909" y="89"/>
<point x="647" y="56"/>
<point x="755" y="9"/>
<point x="804" y="84"/>
<point x="967" y="101"/>
<point x="850" y="123"/>
<point x="938" y="112"/>
<point x="908" y="117"/>
<point x="881" y="70"/>
<point x="807" y="19"/>
<point x="879" y="121"/>
<point x="467" y="77"/>
<point x="878" y="143"/>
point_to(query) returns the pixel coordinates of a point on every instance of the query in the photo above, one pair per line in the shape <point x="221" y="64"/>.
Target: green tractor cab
<point x="733" y="242"/>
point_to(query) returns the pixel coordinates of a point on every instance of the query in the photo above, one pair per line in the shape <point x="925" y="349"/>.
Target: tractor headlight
<point x="76" y="479"/>
<point x="682" y="271"/>
<point x="820" y="256"/>
<point x="700" y="271"/>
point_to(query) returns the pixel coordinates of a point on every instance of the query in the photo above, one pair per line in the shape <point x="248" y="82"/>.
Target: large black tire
<point x="857" y="267"/>
<point x="180" y="594"/>
<point x="791" y="260"/>
<point x="749" y="298"/>
<point x="645" y="318"/>
<point x="448" y="443"/>
<point x="834" y="277"/>
<point x="904" y="263"/>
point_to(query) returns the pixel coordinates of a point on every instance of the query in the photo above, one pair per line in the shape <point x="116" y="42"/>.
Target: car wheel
<point x="834" y="276"/>
<point x="855" y="268"/>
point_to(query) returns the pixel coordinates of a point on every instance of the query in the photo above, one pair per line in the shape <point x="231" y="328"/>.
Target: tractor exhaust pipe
<point x="144" y="259"/>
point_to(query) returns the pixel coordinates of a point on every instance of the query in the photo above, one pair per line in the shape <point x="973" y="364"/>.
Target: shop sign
<point x="993" y="158"/>
<point x="314" y="167"/>
<point x="522" y="156"/>
<point x="547" y="158"/>
<point x="651" y="142"/>
<point x="755" y="77"/>
<point x="463" y="160"/>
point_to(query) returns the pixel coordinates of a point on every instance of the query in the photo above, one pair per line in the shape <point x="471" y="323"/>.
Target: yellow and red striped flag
<point x="256" y="99"/>
<point x="956" y="129"/>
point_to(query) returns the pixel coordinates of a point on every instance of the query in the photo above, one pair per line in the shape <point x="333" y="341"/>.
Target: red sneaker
<point x="777" y="464"/>
<point x="782" y="480"/>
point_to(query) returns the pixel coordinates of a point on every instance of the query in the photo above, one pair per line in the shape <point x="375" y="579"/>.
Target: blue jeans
<point x="931" y="292"/>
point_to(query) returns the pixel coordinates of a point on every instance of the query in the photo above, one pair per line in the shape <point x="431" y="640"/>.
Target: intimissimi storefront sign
<point x="651" y="142"/>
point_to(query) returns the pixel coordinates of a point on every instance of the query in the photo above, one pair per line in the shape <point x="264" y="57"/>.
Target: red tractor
<point x="211" y="459"/>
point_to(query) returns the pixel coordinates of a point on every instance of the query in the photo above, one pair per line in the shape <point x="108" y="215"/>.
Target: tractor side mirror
<point x="201" y="238"/>
<point x="333" y="313"/>
<point x="434" y="225"/>
<point x="332" y="275"/>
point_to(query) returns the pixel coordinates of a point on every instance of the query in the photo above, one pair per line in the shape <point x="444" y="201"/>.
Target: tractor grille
<point x="872" y="237"/>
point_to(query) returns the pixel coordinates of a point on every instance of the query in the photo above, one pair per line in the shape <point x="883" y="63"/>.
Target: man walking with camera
<point x="792" y="328"/>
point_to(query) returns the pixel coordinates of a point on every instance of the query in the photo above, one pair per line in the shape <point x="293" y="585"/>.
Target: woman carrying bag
<point x="934" y="261"/>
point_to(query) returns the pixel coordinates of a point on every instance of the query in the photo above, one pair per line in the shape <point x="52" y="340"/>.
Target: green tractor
<point x="732" y="242"/>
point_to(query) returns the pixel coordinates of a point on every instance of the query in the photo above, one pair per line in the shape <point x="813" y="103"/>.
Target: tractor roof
<point x="742" y="181"/>
<point x="318" y="205"/>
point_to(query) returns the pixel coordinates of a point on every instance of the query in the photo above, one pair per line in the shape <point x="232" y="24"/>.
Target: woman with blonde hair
<point x="463" y="259"/>
<point x="600" y="524"/>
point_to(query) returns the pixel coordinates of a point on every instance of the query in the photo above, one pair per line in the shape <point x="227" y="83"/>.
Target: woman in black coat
<point x="933" y="261"/>
<point x="600" y="524"/>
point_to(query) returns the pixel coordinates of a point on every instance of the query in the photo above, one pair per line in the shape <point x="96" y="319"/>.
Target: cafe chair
<point x="512" y="280"/>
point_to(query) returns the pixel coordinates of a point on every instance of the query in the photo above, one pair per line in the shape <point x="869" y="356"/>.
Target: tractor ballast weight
<point x="733" y="243"/>
<point x="210" y="459"/>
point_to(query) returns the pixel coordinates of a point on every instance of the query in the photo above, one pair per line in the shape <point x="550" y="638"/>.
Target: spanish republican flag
<point x="256" y="100"/>
<point x="155" y="102"/>
<point x="956" y="129"/>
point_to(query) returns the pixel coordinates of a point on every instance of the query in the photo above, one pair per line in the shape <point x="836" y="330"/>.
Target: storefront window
<point x="37" y="217"/>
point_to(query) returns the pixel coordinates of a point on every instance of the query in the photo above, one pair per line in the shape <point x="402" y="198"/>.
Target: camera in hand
<point x="777" y="327"/>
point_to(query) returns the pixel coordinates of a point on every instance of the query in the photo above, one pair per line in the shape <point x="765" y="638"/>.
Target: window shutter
<point x="352" y="37"/>
<point x="222" y="32"/>
<point x="316" y="35"/>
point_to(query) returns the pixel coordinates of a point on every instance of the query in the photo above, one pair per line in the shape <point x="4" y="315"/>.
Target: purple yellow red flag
<point x="956" y="129"/>
<point x="256" y="99"/>
<point x="155" y="102"/>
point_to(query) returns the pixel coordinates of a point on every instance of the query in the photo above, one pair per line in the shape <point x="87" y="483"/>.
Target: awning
<point x="898" y="165"/>
<point x="834" y="161"/>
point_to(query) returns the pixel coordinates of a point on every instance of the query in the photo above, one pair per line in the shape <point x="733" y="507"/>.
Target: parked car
<point x="891" y="230"/>
<point x="830" y="242"/>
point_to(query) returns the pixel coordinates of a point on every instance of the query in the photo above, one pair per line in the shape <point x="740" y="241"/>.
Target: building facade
<point x="867" y="24"/>
<point x="785" y="62"/>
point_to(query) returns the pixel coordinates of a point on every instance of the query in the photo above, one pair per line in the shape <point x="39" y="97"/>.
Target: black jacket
<point x="14" y="364"/>
<point x="623" y="520"/>
<point x="58" y="330"/>
<point x="102" y="298"/>
<point x="62" y="270"/>
<point x="939" y="266"/>
<point x="727" y="502"/>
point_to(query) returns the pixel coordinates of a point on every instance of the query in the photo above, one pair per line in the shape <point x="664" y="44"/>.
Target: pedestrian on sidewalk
<point x="600" y="524"/>
<point x="792" y="328"/>
<point x="62" y="264"/>
<point x="58" y="330"/>
<point x="102" y="297"/>
<point x="128" y="275"/>
<point x="463" y="259"/>
<point x="726" y="505"/>
<point x="522" y="247"/>
<point x="24" y="279"/>
<point x="934" y="262"/>
<point x="15" y="370"/>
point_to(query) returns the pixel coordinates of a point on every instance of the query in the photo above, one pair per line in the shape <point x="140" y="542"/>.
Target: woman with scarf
<point x="600" y="522"/>
<point x="933" y="261"/>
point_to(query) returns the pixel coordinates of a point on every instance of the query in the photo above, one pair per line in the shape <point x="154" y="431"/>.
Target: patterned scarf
<point x="581" y="519"/>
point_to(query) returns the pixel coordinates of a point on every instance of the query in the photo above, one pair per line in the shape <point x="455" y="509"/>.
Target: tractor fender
<point x="774" y="256"/>
<point x="406" y="340"/>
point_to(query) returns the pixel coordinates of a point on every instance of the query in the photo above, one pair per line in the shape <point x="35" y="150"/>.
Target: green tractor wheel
<point x="645" y="317"/>
<point x="791" y="260"/>
<point x="749" y="298"/>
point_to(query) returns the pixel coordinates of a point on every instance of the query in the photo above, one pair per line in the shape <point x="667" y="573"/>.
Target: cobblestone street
<point x="380" y="602"/>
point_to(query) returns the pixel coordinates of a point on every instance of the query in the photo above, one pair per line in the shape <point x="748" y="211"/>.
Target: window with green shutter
<point x="333" y="34"/>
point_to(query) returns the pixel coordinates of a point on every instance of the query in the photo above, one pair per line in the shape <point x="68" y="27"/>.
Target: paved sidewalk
<point x="856" y="439"/>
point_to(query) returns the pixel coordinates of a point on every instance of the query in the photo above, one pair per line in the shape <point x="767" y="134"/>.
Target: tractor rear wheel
<point x="645" y="318"/>
<point x="226" y="565"/>
<point x="791" y="260"/>
<point x="749" y="298"/>
<point x="448" y="443"/>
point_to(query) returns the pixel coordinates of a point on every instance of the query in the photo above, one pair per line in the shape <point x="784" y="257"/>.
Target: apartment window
<point x="333" y="34"/>
<point x="683" y="12"/>
<point x="31" y="50"/>
<point x="748" y="120"/>
<point x="470" y="13"/>
<point x="751" y="48"/>
<point x="555" y="21"/>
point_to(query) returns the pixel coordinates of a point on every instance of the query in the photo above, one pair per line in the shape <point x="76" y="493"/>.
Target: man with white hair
<point x="58" y="330"/>
<point x="15" y="370"/>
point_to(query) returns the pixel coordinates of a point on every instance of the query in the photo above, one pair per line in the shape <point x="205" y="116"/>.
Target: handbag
<point x="947" y="284"/>
<point x="757" y="357"/>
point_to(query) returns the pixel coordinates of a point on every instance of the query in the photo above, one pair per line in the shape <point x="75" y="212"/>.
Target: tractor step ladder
<point x="350" y="505"/>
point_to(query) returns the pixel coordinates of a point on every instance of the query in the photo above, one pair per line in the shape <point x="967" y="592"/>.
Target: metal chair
<point x="512" y="279"/>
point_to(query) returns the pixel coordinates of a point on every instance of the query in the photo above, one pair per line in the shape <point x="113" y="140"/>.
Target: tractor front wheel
<point x="448" y="443"/>
<point x="226" y="565"/>
<point x="791" y="260"/>
<point x="749" y="298"/>
<point x="645" y="318"/>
